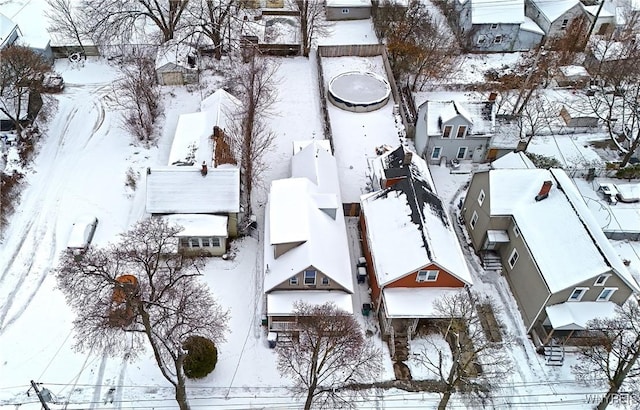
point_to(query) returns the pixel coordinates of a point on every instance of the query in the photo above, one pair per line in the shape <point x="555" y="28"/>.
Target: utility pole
<point x="593" y="25"/>
<point x="44" y="403"/>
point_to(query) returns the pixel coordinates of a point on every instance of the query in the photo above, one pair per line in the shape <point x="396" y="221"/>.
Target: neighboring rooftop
<point x="494" y="12"/>
<point x="513" y="160"/>
<point x="554" y="9"/>
<point x="480" y="114"/>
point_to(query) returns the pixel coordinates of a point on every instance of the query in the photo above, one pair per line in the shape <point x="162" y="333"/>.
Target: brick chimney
<point x="407" y="158"/>
<point x="544" y="190"/>
<point x="204" y="169"/>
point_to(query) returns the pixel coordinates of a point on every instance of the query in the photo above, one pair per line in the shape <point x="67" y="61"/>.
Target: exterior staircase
<point x="554" y="354"/>
<point x="401" y="350"/>
<point x="491" y="261"/>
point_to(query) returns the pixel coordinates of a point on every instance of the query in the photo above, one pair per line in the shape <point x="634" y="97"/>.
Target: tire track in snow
<point x="95" y="401"/>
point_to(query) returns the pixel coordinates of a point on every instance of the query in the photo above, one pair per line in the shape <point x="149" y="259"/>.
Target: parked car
<point x="53" y="83"/>
<point x="609" y="191"/>
<point x="81" y="235"/>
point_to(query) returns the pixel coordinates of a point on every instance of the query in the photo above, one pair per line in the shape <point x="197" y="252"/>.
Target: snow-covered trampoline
<point x="359" y="91"/>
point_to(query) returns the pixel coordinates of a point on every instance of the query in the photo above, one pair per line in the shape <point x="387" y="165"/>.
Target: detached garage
<point x="348" y="9"/>
<point x="177" y="64"/>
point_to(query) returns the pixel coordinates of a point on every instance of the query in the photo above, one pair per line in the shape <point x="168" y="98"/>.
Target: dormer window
<point x="600" y="280"/>
<point x="293" y="280"/>
<point x="462" y="130"/>
<point x="446" y="132"/>
<point x="310" y="277"/>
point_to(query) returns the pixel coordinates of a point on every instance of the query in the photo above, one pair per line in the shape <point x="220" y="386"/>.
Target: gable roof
<point x="513" y="160"/>
<point x="7" y="26"/>
<point x="193" y="141"/>
<point x="175" y="52"/>
<point x="183" y="190"/>
<point x="400" y="162"/>
<point x="408" y="228"/>
<point x="480" y="115"/>
<point x="553" y="10"/>
<point x="495" y="12"/>
<point x="554" y="225"/>
<point x="295" y="214"/>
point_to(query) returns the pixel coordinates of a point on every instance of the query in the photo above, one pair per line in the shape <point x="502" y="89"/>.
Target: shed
<point x="348" y="9"/>
<point x="572" y="76"/>
<point x="577" y="118"/>
<point x="177" y="64"/>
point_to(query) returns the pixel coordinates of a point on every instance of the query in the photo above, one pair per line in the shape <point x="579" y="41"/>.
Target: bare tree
<point x="138" y="289"/>
<point x="328" y="353"/>
<point x="250" y="137"/>
<point x="121" y="19"/>
<point x="614" y="360"/>
<point x="138" y="93"/>
<point x="536" y="115"/>
<point x="64" y="20"/>
<point x="213" y="18"/>
<point x="476" y="361"/>
<point x="21" y="73"/>
<point x="312" y="22"/>
<point x="420" y="47"/>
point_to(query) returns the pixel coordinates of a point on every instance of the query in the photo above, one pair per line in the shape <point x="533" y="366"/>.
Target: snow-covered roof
<point x="193" y="143"/>
<point x="481" y="116"/>
<point x="629" y="192"/>
<point x="492" y="11"/>
<point x="574" y="71"/>
<point x="7" y="26"/>
<point x="513" y="160"/>
<point x="414" y="302"/>
<point x="605" y="50"/>
<point x="575" y="315"/>
<point x="301" y="211"/>
<point x="200" y="225"/>
<point x="175" y="52"/>
<point x="348" y="3"/>
<point x="183" y="190"/>
<point x="513" y="193"/>
<point x="554" y="9"/>
<point x="409" y="228"/>
<point x="282" y="303"/>
<point x="299" y="145"/>
<point x="391" y="164"/>
<point x="531" y="26"/>
<point x="603" y="13"/>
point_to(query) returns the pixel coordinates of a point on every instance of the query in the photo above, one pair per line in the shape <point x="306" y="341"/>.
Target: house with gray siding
<point x="460" y="130"/>
<point x="490" y="26"/>
<point x="555" y="17"/>
<point x="348" y="9"/>
<point x="534" y="227"/>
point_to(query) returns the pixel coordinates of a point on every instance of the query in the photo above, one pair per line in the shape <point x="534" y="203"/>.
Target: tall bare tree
<point x="21" y="73"/>
<point x="250" y="137"/>
<point x="138" y="93"/>
<point x="328" y="353"/>
<point x="614" y="360"/>
<point x="312" y="22"/>
<point x="121" y="19"/>
<point x="64" y="20"/>
<point x="476" y="360"/>
<point x="213" y="18"/>
<point x="141" y="289"/>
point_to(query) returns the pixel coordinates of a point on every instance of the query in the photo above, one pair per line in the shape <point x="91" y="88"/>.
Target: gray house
<point x="348" y="9"/>
<point x="447" y="130"/>
<point x="533" y="225"/>
<point x="9" y="31"/>
<point x="489" y="26"/>
<point x="554" y="17"/>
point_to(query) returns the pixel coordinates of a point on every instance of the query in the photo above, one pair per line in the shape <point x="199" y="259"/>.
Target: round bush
<point x="202" y="357"/>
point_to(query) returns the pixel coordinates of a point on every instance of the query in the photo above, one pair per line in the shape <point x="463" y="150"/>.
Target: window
<point x="462" y="129"/>
<point x="474" y="219"/>
<point x="462" y="152"/>
<point x="184" y="242"/>
<point x="293" y="280"/>
<point x="606" y="294"/>
<point x="325" y="281"/>
<point x="446" y="132"/>
<point x="565" y="23"/>
<point x="481" y="197"/>
<point x="601" y="280"/>
<point x="497" y="39"/>
<point x="206" y="242"/>
<point x="215" y="242"/>
<point x="482" y="40"/>
<point x="516" y="230"/>
<point x="435" y="154"/>
<point x="195" y="242"/>
<point x="577" y="294"/>
<point x="427" y="276"/>
<point x="310" y="277"/>
<point x="345" y="11"/>
<point x="494" y="26"/>
<point x="513" y="258"/>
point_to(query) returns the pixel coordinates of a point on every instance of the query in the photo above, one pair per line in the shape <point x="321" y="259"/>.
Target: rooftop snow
<point x="391" y="165"/>
<point x="531" y="26"/>
<point x="173" y="52"/>
<point x="554" y="9"/>
<point x="575" y="315"/>
<point x="348" y="3"/>
<point x="492" y="12"/>
<point x="183" y="190"/>
<point x="200" y="225"/>
<point x="317" y="164"/>
<point x="288" y="213"/>
<point x="299" y="145"/>
<point x="282" y="303"/>
<point x="6" y="28"/>
<point x="513" y="160"/>
<point x="513" y="193"/>
<point x="482" y="123"/>
<point x="414" y="302"/>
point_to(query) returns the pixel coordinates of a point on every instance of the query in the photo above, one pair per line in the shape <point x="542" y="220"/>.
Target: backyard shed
<point x="176" y="64"/>
<point x="348" y="9"/>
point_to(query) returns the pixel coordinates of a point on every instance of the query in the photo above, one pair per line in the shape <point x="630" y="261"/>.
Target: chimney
<point x="204" y="170"/>
<point x="544" y="191"/>
<point x="407" y="158"/>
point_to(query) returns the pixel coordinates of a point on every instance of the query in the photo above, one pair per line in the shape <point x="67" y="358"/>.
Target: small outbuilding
<point x="348" y="9"/>
<point x="177" y="64"/>
<point x="572" y="76"/>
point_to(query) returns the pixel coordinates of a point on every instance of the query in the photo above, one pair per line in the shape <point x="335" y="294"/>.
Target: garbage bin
<point x="272" y="338"/>
<point x="362" y="275"/>
<point x="366" y="309"/>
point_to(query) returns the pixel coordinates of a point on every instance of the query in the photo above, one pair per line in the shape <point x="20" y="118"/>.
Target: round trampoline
<point x="359" y="91"/>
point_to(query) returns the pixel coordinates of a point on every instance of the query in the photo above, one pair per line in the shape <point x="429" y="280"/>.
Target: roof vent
<point x="544" y="191"/>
